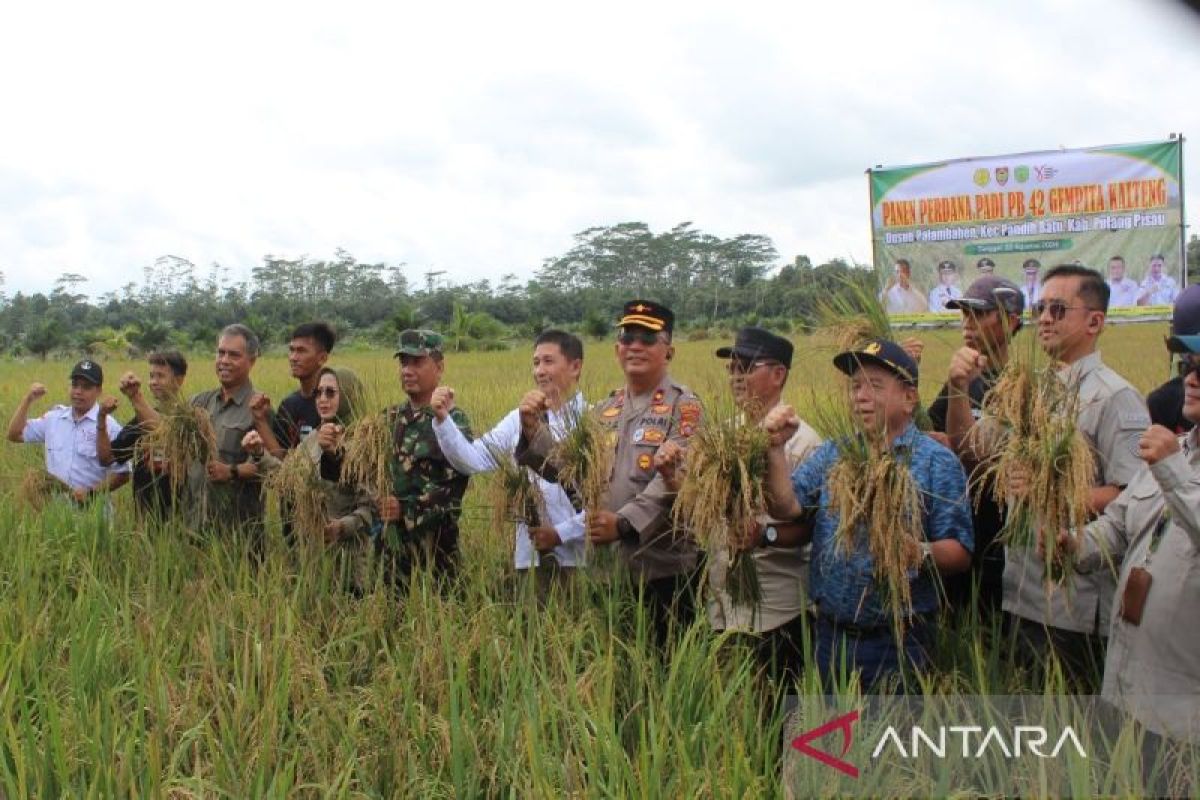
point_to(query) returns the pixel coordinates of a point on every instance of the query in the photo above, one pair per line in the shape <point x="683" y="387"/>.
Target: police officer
<point x="422" y="511"/>
<point x="650" y="409"/>
<point x="69" y="434"/>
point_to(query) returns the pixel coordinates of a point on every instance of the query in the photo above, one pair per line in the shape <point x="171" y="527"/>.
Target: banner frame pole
<point x="871" y="216"/>
<point x="1183" y="226"/>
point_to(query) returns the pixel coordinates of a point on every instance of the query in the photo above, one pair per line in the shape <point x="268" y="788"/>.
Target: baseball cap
<point x="1185" y="322"/>
<point x="419" y="342"/>
<point x="647" y="314"/>
<point x="755" y="343"/>
<point x="882" y="352"/>
<point x="89" y="371"/>
<point x="989" y="292"/>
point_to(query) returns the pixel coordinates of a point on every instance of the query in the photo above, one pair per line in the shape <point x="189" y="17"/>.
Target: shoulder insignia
<point x="644" y="461"/>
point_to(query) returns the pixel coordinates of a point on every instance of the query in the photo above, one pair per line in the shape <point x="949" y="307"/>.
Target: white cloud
<point x="477" y="138"/>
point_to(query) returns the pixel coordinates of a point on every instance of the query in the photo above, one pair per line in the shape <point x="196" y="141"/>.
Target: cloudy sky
<point x="477" y="138"/>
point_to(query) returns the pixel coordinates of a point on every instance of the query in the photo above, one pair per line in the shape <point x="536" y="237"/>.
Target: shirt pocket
<point x="229" y="444"/>
<point x="85" y="442"/>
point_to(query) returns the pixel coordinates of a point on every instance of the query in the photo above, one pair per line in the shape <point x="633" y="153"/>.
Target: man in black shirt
<point x="1166" y="402"/>
<point x="308" y="350"/>
<point x="151" y="485"/>
<point x="991" y="314"/>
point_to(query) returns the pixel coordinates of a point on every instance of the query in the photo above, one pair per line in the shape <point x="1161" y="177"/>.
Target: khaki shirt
<point x="230" y="502"/>
<point x="782" y="571"/>
<point x="638" y="425"/>
<point x="1153" y="668"/>
<point x="1112" y="415"/>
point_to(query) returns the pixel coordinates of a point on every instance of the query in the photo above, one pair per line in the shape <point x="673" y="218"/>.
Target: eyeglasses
<point x="736" y="367"/>
<point x="326" y="391"/>
<point x="1057" y="308"/>
<point x="1189" y="362"/>
<point x="628" y="337"/>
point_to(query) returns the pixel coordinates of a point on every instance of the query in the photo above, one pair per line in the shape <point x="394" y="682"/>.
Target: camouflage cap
<point x="419" y="342"/>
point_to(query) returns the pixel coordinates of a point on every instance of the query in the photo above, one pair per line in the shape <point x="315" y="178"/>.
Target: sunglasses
<point x="1057" y="308"/>
<point x="326" y="391"/>
<point x="647" y="338"/>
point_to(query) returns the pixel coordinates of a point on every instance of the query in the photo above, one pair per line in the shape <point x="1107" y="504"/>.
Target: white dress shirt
<point x="471" y="457"/>
<point x="1123" y="293"/>
<point x="71" y="445"/>
<point x="1162" y="292"/>
<point x="942" y="294"/>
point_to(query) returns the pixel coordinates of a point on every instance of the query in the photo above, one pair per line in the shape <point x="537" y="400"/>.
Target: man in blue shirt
<point x="854" y="624"/>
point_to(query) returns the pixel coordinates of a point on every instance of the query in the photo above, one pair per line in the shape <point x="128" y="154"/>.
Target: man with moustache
<point x="650" y="409"/>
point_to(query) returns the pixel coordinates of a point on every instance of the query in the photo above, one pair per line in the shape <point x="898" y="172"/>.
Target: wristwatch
<point x="625" y="530"/>
<point x="770" y="536"/>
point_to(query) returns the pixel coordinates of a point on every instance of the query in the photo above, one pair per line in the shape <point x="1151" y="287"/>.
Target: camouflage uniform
<point x="430" y="493"/>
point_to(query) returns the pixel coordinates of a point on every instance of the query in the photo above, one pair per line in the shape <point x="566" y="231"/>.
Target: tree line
<point x="712" y="283"/>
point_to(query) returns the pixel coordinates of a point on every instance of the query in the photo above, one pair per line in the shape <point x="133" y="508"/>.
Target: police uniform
<point x="70" y="442"/>
<point x="237" y="502"/>
<point x="662" y="556"/>
<point x="430" y="490"/>
<point x="1112" y="415"/>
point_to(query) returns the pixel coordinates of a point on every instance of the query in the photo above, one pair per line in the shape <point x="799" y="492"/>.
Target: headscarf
<point x="350" y="393"/>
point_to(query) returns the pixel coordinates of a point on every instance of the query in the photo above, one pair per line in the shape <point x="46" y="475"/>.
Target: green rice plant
<point x="514" y="495"/>
<point x="584" y="458"/>
<point x="37" y="487"/>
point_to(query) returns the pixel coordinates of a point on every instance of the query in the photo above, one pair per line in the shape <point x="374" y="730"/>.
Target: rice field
<point x="156" y="663"/>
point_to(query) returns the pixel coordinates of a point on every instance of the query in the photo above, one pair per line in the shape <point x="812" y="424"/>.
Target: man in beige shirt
<point x="1152" y="670"/>
<point x="1072" y="620"/>
<point x="759" y="365"/>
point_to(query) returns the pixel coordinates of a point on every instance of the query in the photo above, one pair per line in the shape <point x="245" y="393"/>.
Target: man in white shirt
<point x="1158" y="288"/>
<point x="900" y="296"/>
<point x="1123" y="290"/>
<point x="946" y="290"/>
<point x="557" y="363"/>
<point x="69" y="434"/>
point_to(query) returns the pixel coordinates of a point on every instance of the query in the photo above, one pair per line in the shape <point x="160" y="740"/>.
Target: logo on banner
<point x="1021" y="173"/>
<point x="1001" y="176"/>
<point x="982" y="177"/>
<point x="1044" y="173"/>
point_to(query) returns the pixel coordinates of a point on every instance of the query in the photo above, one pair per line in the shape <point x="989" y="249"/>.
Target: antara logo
<point x="843" y="723"/>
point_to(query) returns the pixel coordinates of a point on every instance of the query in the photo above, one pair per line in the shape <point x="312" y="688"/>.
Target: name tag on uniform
<point x="1133" y="599"/>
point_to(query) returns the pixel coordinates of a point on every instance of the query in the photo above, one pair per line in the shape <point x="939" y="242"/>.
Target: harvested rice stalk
<point x="1033" y="415"/>
<point x="584" y="458"/>
<point x="297" y="484"/>
<point x="721" y="495"/>
<point x="368" y="452"/>
<point x="183" y="436"/>
<point x="37" y="487"/>
<point x="873" y="493"/>
<point x="514" y="494"/>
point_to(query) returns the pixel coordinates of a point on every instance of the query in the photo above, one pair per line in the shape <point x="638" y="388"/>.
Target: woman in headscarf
<point x="349" y="511"/>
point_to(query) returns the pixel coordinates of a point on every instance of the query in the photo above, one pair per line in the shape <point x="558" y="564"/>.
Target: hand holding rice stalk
<point x="368" y="444"/>
<point x="721" y="495"/>
<point x="1041" y="465"/>
<point x="297" y="483"/>
<point x="583" y="458"/>
<point x="873" y="493"/>
<point x="515" y="495"/>
<point x="182" y="436"/>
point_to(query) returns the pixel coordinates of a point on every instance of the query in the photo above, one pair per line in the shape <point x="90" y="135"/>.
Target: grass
<point x="157" y="663"/>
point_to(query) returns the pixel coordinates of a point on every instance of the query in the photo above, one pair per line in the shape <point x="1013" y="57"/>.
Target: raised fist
<point x="781" y="424"/>
<point x="442" y="402"/>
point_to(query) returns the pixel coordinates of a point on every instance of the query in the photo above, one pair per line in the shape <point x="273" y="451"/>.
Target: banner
<point x="1117" y="209"/>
